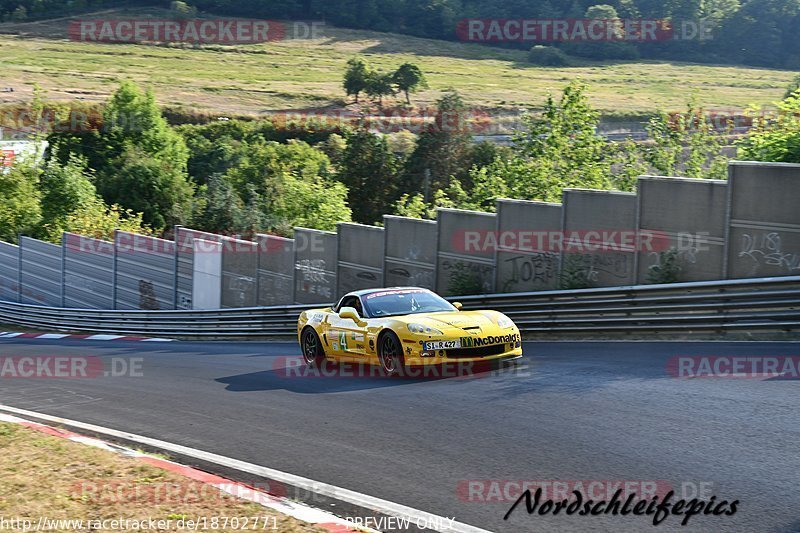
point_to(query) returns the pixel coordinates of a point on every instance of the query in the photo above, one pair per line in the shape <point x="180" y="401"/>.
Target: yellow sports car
<point x="404" y="327"/>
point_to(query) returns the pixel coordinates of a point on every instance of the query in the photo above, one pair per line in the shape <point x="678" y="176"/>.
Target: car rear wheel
<point x="391" y="354"/>
<point x="313" y="353"/>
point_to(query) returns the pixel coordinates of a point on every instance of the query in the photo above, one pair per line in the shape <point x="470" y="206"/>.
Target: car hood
<point x="456" y="319"/>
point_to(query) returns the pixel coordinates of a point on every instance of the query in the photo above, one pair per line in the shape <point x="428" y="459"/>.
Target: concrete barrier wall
<point x="591" y="258"/>
<point x="525" y="261"/>
<point x="315" y="255"/>
<point x="764" y="220"/>
<point x="275" y="270"/>
<point x="184" y="240"/>
<point x="206" y="274"/>
<point x="409" y="252"/>
<point x="239" y="273"/>
<point x="41" y="273"/>
<point x="88" y="272"/>
<point x="686" y="217"/>
<point x="145" y="272"/>
<point x="9" y="272"/>
<point x="360" y="262"/>
<point x="748" y="226"/>
<point x="465" y="254"/>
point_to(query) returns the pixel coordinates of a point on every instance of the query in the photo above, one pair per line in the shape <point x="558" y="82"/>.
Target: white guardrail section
<point x="760" y="304"/>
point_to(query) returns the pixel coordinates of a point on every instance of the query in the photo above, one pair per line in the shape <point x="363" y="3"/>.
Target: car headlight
<point x="504" y="322"/>
<point x="425" y="330"/>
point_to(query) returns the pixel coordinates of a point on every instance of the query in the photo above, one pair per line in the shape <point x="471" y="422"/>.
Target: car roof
<point x="364" y="292"/>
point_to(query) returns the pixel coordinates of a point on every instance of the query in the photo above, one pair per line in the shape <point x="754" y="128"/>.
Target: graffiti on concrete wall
<point x="534" y="269"/>
<point x="417" y="278"/>
<point x="147" y="296"/>
<point x="767" y="249"/>
<point x="312" y="277"/>
<point x="614" y="265"/>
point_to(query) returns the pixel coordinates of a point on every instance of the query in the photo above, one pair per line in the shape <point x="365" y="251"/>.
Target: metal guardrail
<point x="761" y="304"/>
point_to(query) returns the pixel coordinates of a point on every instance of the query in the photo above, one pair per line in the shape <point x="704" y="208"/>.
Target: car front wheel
<point x="313" y="353"/>
<point x="391" y="354"/>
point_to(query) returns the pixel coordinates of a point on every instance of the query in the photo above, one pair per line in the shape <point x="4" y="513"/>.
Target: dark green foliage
<point x="464" y="281"/>
<point x="668" y="268"/>
<point x="378" y="85"/>
<point x="792" y="88"/>
<point x="758" y="32"/>
<point x="775" y="135"/>
<point x="356" y="77"/>
<point x="409" y="78"/>
<point x="369" y="170"/>
<point x="442" y="149"/>
<point x="574" y="273"/>
<point x="138" y="159"/>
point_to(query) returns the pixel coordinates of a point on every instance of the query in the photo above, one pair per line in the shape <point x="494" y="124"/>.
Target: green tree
<point x="218" y="207"/>
<point x="369" y="170"/>
<point x="379" y="84"/>
<point x="409" y="78"/>
<point x="98" y="220"/>
<point x="486" y="188"/>
<point x="20" y="203"/>
<point x="557" y="149"/>
<point x="686" y="144"/>
<point x="65" y="188"/>
<point x="442" y="150"/>
<point x="414" y="206"/>
<point x="775" y="136"/>
<point x="291" y="185"/>
<point x="215" y="147"/>
<point x="149" y="186"/>
<point x="356" y="77"/>
<point x="141" y="164"/>
<point x="317" y="204"/>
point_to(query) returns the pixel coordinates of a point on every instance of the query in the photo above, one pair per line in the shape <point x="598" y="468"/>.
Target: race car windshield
<point x="393" y="303"/>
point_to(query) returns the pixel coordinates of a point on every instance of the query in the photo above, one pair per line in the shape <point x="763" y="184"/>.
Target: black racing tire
<point x="311" y="346"/>
<point x="390" y="354"/>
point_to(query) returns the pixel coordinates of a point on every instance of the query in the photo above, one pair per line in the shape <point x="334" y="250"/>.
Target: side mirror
<point x="352" y="314"/>
<point x="457" y="305"/>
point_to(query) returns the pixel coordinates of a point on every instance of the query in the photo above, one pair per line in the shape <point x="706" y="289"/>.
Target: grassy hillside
<point x="253" y="79"/>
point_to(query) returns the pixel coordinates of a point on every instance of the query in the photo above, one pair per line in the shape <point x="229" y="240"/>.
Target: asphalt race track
<point x="569" y="411"/>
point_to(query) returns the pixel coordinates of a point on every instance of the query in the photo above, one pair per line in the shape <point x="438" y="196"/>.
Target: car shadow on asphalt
<point x="292" y="374"/>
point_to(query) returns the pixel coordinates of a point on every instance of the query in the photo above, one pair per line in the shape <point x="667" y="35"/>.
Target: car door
<point x="347" y="339"/>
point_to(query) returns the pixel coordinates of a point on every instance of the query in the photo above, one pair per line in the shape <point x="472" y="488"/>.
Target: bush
<point x="547" y="56"/>
<point x="603" y="50"/>
<point x="574" y="273"/>
<point x="464" y="281"/>
<point x="668" y="268"/>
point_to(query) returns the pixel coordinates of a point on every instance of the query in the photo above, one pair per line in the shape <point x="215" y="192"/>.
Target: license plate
<point x="441" y="345"/>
